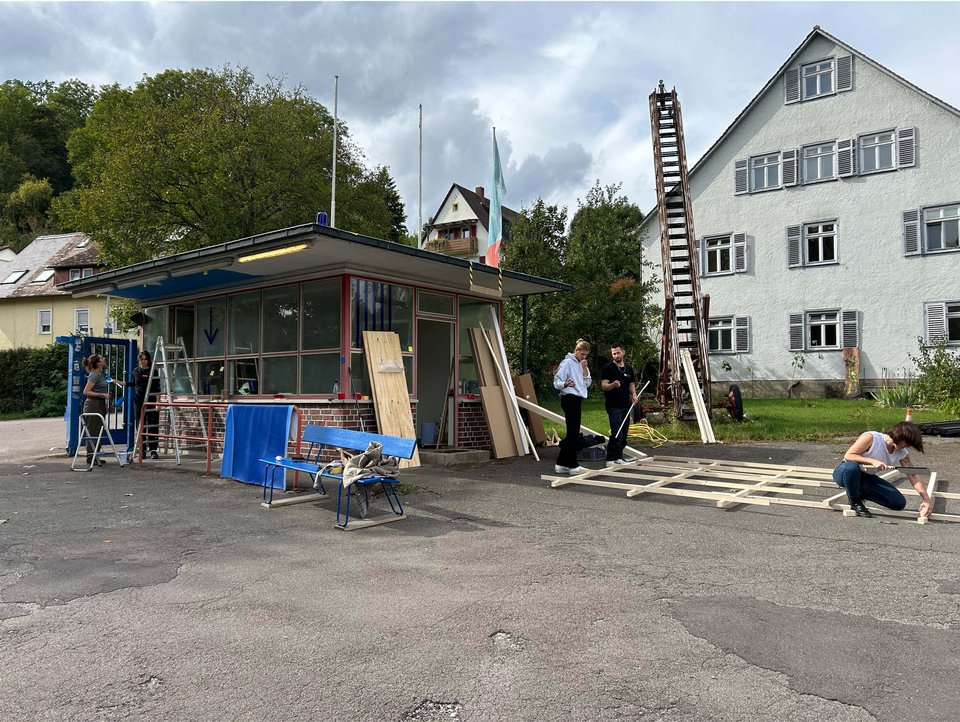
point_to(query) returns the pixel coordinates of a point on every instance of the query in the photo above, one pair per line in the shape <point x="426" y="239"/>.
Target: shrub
<point x="896" y="392"/>
<point x="34" y="381"/>
<point x="938" y="379"/>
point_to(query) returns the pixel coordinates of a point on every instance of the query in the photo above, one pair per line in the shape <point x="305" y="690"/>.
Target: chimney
<point x="479" y="191"/>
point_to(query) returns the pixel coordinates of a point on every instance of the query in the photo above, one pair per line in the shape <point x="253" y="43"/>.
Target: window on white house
<point x="941" y="322"/>
<point x="941" y="228"/>
<point x="765" y="172"/>
<point x="456" y="206"/>
<point x="953" y="322"/>
<point x="81" y="320"/>
<point x="823" y="330"/>
<point x="729" y="334"/>
<point x="466" y="232"/>
<point x="819" y="162"/>
<point x="718" y="255"/>
<point x="44" y="276"/>
<point x="817" y="79"/>
<point x="74" y="274"/>
<point x="877" y="152"/>
<point x="820" y="242"/>
<point x="13" y="277"/>
<point x="44" y="321"/>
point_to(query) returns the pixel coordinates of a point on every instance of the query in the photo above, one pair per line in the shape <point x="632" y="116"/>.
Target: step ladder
<point x="172" y="376"/>
<point x="685" y="310"/>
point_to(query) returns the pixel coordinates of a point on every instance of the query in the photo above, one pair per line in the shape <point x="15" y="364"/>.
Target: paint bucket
<point x="428" y="433"/>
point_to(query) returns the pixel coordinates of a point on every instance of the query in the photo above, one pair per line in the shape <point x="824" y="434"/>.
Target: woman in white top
<point x="572" y="381"/>
<point x="873" y="452"/>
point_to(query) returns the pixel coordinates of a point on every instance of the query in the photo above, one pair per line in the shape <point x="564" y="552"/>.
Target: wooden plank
<point x="364" y="523"/>
<point x="548" y="414"/>
<point x="503" y="364"/>
<point x="817" y="470"/>
<point x="391" y="398"/>
<point x="696" y="395"/>
<point x="496" y="413"/>
<point x="711" y="473"/>
<point x="299" y="499"/>
<point x="517" y="426"/>
<point x="523" y="388"/>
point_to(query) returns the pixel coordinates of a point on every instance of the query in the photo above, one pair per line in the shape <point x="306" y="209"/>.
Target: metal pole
<point x="333" y="183"/>
<point x="523" y="339"/>
<point x="420" y="238"/>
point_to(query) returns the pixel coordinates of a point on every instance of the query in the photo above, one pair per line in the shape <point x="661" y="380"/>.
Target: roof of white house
<point x="480" y="205"/>
<point x="816" y="32"/>
<point x="45" y="252"/>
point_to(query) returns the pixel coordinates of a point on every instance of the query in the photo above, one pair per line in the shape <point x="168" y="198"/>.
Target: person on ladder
<point x="151" y="418"/>
<point x="620" y="396"/>
<point x="96" y="394"/>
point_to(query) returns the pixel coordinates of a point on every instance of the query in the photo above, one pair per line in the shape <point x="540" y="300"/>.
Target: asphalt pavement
<point x="157" y="594"/>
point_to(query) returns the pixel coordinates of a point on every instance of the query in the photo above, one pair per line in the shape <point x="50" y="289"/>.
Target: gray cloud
<point x="566" y="84"/>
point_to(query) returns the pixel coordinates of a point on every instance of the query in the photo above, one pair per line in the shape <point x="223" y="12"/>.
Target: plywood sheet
<point x="488" y="376"/>
<point x="497" y="414"/>
<point x="391" y="398"/>
<point x="523" y="387"/>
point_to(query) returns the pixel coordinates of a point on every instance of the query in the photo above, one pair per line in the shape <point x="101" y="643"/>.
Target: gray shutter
<point x="741" y="340"/>
<point x="911" y="232"/>
<point x="844" y="73"/>
<point x="934" y="322"/>
<point x="789" y="159"/>
<point x="906" y="147"/>
<point x="794" y="255"/>
<point x="850" y="329"/>
<point x="740" y="178"/>
<point x="791" y="86"/>
<point x="796" y="332"/>
<point x="739" y="252"/>
<point x="846" y="158"/>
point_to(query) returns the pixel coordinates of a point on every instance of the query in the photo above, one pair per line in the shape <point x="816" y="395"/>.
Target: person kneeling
<point x="874" y="452"/>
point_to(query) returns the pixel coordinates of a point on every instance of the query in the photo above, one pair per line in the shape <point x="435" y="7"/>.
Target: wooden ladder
<point x="685" y="310"/>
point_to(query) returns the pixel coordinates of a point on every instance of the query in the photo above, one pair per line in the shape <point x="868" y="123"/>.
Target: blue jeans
<point x="861" y="486"/>
<point x="617" y="441"/>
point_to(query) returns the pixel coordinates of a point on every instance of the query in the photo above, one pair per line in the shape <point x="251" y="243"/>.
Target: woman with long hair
<point x="96" y="393"/>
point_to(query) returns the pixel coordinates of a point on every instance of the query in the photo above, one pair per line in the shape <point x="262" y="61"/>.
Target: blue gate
<point x="121" y="355"/>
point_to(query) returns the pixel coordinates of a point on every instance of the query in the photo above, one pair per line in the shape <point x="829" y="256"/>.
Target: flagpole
<point x="420" y="237"/>
<point x="333" y="183"/>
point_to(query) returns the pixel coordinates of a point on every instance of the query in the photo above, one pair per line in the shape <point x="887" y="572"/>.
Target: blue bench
<point x="319" y="438"/>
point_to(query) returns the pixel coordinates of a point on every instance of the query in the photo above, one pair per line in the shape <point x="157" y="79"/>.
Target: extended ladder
<point x="685" y="311"/>
<point x="171" y="372"/>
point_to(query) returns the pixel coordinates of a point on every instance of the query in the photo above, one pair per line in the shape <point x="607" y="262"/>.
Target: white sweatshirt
<point x="570" y="369"/>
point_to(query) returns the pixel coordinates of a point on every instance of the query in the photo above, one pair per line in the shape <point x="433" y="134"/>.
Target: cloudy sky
<point x="565" y="84"/>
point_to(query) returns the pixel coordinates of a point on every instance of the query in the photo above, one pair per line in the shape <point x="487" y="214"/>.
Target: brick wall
<point x="472" y="432"/>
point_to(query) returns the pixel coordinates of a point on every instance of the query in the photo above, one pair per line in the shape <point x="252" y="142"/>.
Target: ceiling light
<point x="276" y="252"/>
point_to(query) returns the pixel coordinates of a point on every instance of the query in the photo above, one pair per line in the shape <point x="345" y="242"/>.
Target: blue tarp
<point x="254" y="431"/>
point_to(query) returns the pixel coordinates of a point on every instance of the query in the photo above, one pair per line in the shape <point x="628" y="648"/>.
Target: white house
<point x="461" y="222"/>
<point x="826" y="217"/>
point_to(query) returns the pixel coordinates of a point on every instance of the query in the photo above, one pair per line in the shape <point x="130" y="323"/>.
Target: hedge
<point x="34" y="380"/>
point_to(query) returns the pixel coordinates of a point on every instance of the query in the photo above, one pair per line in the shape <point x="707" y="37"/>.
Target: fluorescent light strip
<point x="144" y="280"/>
<point x="202" y="267"/>
<point x="276" y="252"/>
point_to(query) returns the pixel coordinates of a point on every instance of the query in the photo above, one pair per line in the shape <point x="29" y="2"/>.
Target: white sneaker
<point x="561" y="469"/>
<point x="617" y="462"/>
<point x="578" y="470"/>
<point x="627" y="459"/>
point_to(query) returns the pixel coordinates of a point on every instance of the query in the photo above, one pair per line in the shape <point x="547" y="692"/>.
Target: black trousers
<point x="617" y="441"/>
<point x="572" y="406"/>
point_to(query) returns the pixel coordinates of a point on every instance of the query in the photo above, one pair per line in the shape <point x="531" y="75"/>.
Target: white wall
<point x="873" y="276"/>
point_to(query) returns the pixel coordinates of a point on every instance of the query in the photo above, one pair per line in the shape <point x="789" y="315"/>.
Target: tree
<point x="187" y="159"/>
<point x="602" y="257"/>
<point x="26" y="208"/>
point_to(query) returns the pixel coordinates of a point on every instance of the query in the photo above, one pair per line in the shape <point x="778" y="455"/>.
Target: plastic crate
<point x="592" y="453"/>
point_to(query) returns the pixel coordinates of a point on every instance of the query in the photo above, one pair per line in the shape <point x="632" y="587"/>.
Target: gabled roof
<point x="816" y="32"/>
<point x="40" y="255"/>
<point x="479" y="206"/>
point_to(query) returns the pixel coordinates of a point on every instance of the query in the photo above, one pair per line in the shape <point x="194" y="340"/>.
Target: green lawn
<point x="13" y="415"/>
<point x="772" y="420"/>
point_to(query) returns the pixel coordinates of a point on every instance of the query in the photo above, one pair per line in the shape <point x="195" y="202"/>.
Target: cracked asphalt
<point x="157" y="594"/>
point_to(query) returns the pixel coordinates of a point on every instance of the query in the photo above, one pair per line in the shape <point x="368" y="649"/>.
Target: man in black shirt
<point x="620" y="392"/>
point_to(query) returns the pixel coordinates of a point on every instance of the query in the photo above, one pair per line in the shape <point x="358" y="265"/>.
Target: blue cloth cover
<point x="254" y="431"/>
